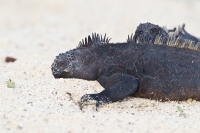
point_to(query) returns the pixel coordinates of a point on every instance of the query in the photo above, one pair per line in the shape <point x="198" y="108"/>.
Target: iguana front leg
<point x="117" y="87"/>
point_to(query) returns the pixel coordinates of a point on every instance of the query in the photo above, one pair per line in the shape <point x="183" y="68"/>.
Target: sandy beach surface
<point x="35" y="31"/>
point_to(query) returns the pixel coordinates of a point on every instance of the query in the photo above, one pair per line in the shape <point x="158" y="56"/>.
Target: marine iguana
<point x="148" y="32"/>
<point x="145" y="70"/>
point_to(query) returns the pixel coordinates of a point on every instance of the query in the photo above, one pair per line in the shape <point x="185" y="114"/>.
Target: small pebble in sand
<point x="10" y="59"/>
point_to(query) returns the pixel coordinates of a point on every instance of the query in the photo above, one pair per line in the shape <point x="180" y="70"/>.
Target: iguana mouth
<point x="63" y="74"/>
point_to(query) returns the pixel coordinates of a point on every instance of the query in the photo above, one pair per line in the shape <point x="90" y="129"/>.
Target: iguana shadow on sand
<point x="154" y="70"/>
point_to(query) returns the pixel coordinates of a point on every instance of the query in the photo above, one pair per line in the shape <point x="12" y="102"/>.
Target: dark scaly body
<point x="143" y="70"/>
<point x="163" y="73"/>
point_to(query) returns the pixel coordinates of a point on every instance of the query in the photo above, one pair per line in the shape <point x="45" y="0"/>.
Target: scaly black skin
<point x="149" y="31"/>
<point x="128" y="69"/>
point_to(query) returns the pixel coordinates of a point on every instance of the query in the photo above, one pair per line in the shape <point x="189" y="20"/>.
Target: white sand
<point x="35" y="31"/>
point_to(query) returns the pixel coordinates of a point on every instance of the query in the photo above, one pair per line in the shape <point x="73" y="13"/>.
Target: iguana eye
<point x="139" y="32"/>
<point x="154" y="31"/>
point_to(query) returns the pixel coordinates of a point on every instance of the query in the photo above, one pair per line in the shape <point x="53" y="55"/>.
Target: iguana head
<point x="80" y="62"/>
<point x="77" y="63"/>
<point x="147" y="32"/>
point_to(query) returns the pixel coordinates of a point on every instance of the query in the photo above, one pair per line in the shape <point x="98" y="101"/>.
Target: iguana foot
<point x="125" y="86"/>
<point x="98" y="98"/>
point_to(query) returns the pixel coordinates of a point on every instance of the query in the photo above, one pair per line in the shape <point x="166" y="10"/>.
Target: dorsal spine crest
<point x="178" y="42"/>
<point x="97" y="39"/>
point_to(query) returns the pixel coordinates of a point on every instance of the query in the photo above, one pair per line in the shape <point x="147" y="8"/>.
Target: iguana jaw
<point x="63" y="74"/>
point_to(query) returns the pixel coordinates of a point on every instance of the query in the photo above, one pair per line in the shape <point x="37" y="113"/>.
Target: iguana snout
<point x="63" y="65"/>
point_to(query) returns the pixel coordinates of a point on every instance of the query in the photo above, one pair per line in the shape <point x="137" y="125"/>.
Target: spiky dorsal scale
<point x="97" y="39"/>
<point x="171" y="41"/>
<point x="130" y="38"/>
<point x="178" y="42"/>
<point x="176" y="31"/>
